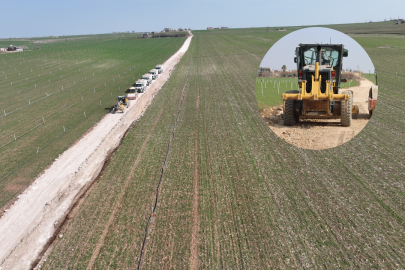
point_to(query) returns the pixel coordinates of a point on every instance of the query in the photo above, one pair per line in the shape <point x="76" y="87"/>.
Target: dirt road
<point x="32" y="221"/>
<point x="321" y="134"/>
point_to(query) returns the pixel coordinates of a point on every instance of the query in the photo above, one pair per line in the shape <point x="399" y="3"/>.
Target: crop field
<point x="269" y="90"/>
<point x="53" y="93"/>
<point x="232" y="194"/>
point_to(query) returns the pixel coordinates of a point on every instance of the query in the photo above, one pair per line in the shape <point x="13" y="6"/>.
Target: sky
<point x="283" y="51"/>
<point x="28" y="18"/>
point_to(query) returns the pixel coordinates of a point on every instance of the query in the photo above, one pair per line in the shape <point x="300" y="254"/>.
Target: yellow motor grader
<point x="122" y="101"/>
<point x="319" y="76"/>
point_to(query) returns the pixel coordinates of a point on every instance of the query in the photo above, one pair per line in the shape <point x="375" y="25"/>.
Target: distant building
<point x="145" y="35"/>
<point x="262" y="70"/>
<point x="209" y="28"/>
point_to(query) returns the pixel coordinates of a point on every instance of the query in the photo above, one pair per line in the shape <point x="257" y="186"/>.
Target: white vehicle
<point x="148" y="77"/>
<point x="159" y="68"/>
<point x="154" y="73"/>
<point x="132" y="93"/>
<point x="140" y="86"/>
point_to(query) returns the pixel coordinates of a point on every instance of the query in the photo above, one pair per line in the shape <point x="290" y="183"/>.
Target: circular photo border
<point x="316" y="88"/>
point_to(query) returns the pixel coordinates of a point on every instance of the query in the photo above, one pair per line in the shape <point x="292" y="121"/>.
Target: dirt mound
<point x="272" y="115"/>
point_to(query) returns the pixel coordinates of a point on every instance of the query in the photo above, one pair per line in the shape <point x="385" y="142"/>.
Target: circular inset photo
<point x="316" y="88"/>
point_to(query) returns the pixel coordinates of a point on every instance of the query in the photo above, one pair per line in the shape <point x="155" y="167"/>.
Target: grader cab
<point x="319" y="76"/>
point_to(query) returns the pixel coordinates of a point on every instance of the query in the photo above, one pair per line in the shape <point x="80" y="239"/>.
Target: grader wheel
<point x="290" y="117"/>
<point x="346" y="110"/>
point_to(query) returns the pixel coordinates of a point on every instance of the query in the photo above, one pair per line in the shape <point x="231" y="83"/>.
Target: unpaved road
<point x="32" y="221"/>
<point x="321" y="134"/>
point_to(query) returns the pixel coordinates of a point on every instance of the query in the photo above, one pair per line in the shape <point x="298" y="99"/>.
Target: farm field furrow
<point x="52" y="96"/>
<point x="262" y="203"/>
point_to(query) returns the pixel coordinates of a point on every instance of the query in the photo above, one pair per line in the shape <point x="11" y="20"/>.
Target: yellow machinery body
<point x="121" y="107"/>
<point x="315" y="101"/>
<point x="122" y="101"/>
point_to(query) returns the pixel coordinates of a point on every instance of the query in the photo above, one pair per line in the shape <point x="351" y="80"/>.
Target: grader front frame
<point x="319" y="76"/>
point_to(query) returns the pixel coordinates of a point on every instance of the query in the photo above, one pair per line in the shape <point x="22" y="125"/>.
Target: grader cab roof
<point x="121" y="98"/>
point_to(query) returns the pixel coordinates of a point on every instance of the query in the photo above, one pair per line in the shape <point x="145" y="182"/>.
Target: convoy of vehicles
<point x="140" y="86"/>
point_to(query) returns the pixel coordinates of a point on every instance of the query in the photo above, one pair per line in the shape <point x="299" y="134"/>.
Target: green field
<point x="261" y="203"/>
<point x="50" y="96"/>
<point x="269" y="90"/>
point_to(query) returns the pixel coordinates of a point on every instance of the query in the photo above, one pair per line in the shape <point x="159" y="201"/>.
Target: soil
<point x="321" y="134"/>
<point x="31" y="223"/>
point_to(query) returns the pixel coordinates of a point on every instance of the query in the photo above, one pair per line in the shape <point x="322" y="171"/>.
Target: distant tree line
<point x="167" y="34"/>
